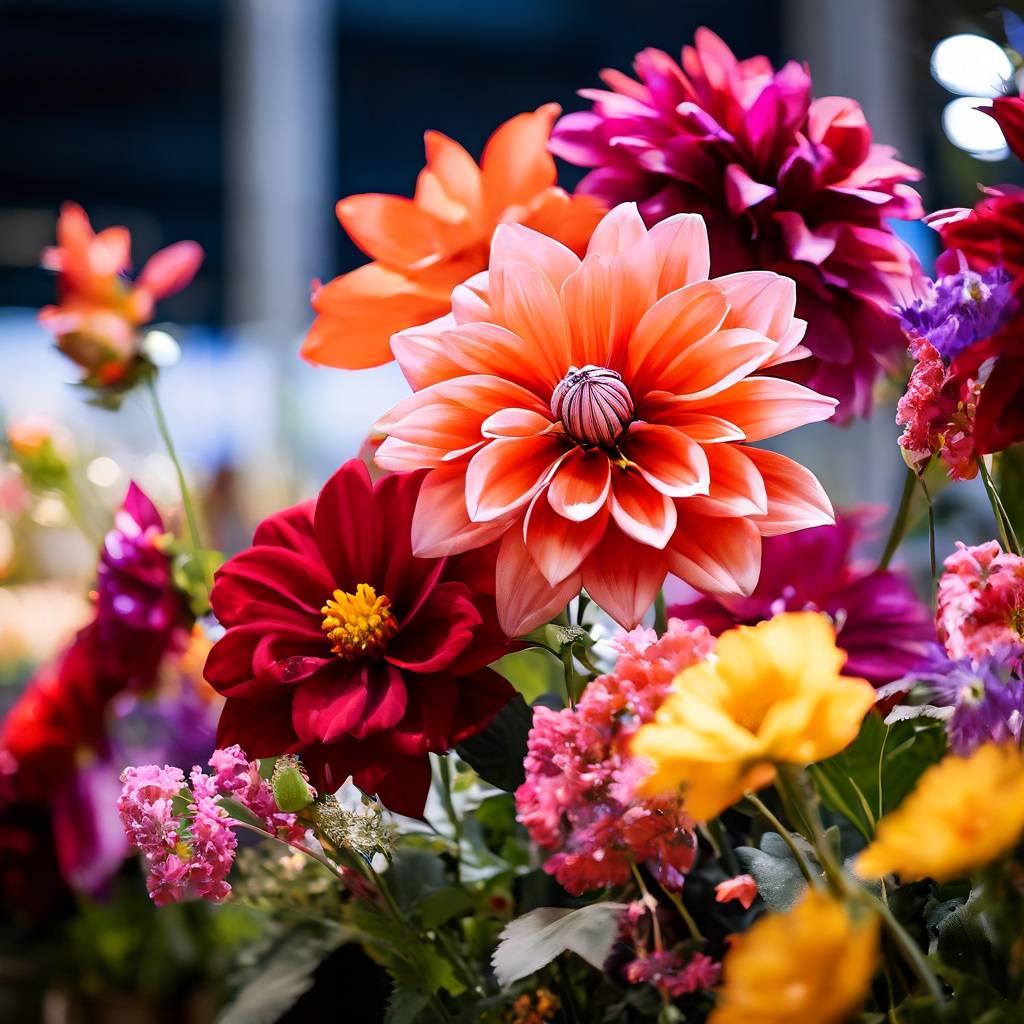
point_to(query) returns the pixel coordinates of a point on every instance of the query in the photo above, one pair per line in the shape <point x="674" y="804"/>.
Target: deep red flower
<point x="59" y="714"/>
<point x="992" y="235"/>
<point x="344" y="648"/>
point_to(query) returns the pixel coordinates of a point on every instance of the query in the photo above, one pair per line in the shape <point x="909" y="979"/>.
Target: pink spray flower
<point x="980" y="604"/>
<point x="579" y="799"/>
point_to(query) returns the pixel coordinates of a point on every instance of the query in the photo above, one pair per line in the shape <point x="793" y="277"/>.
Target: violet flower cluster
<point x="976" y="676"/>
<point x="185" y="832"/>
<point x="579" y="799"/>
<point x="960" y="309"/>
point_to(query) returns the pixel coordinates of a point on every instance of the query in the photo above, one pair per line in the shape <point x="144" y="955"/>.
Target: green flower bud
<point x="292" y="790"/>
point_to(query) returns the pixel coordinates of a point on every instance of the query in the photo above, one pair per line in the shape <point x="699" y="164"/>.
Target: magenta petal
<point x="329" y="707"/>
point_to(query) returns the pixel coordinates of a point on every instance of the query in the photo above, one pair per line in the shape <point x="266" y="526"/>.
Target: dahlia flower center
<point x="358" y="625"/>
<point x="594" y="405"/>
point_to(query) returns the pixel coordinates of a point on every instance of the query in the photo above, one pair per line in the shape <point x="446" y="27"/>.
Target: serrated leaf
<point x="240" y="812"/>
<point x="497" y="753"/>
<point x="405" y="1006"/>
<point x="532" y="941"/>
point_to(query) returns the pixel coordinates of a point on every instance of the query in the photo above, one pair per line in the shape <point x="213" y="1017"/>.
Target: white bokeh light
<point x="971" y="65"/>
<point x="972" y="130"/>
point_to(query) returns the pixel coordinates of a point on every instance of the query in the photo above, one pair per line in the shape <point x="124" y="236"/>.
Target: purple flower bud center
<point x="594" y="405"/>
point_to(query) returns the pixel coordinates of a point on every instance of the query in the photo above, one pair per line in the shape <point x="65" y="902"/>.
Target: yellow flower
<point x="811" y="965"/>
<point x="771" y="694"/>
<point x="963" y="813"/>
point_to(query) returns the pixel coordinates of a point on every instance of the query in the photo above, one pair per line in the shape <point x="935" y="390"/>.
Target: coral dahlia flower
<point x="785" y="182"/>
<point x="345" y="648"/>
<point x="97" y="319"/>
<point x="423" y="247"/>
<point x="595" y="416"/>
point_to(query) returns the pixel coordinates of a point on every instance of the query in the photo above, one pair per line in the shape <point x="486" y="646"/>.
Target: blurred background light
<point x="969" y="128"/>
<point x="971" y="65"/>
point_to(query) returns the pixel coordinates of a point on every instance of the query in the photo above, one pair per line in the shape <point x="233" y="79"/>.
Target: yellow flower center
<point x="358" y="625"/>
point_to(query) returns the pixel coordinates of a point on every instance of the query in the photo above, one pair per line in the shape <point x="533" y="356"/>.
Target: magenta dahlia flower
<point x="884" y="629"/>
<point x="785" y="182"/>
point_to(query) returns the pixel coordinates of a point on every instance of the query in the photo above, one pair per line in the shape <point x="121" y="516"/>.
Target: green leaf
<point x="413" y="875"/>
<point x="497" y="753"/>
<point x="532" y="941"/>
<point x="873" y="775"/>
<point x="780" y="882"/>
<point x="405" y="1006"/>
<point x="533" y="671"/>
<point x="442" y="905"/>
<point x="241" y="813"/>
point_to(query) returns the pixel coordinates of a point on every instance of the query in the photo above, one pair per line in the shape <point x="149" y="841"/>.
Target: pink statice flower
<point x="980" y="603"/>
<point x="937" y="414"/>
<point x="579" y="799"/>
<point x="185" y="832"/>
<point x="669" y="973"/>
<point x="742" y="888"/>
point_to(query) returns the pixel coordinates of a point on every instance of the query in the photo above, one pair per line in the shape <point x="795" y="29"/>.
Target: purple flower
<point x="960" y="309"/>
<point x="986" y="699"/>
<point x="138" y="611"/>
<point x="882" y="626"/>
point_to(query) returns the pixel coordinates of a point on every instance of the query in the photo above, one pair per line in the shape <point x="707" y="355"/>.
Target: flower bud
<point x="292" y="791"/>
<point x="594" y="405"/>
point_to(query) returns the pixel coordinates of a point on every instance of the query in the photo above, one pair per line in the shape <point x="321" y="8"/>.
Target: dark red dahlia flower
<point x="784" y="182"/>
<point x="343" y="647"/>
<point x="883" y="627"/>
<point x="139" y="612"/>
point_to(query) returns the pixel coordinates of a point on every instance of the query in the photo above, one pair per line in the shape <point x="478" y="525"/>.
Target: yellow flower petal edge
<point x="771" y="694"/>
<point x="811" y="965"/>
<point x="963" y="813"/>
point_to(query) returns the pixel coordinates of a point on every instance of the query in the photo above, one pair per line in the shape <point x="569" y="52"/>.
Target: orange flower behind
<point x="423" y="247"/>
<point x="596" y="414"/>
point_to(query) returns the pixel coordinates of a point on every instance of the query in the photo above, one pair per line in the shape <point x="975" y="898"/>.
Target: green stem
<point x="660" y="614"/>
<point x="1006" y="531"/>
<point x="444" y="770"/>
<point x="186" y="497"/>
<point x="313" y="855"/>
<point x="677" y="901"/>
<point x="792" y="780"/>
<point x="899" y="524"/>
<point x="648" y="900"/>
<point x="931" y="531"/>
<point x="908" y="947"/>
<point x="718" y="838"/>
<point x="798" y="855"/>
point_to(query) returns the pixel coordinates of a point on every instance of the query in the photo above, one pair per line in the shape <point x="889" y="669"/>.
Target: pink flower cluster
<point x="579" y="798"/>
<point x="669" y="973"/>
<point x="937" y="414"/>
<point x="184" y="831"/>
<point x="980" y="604"/>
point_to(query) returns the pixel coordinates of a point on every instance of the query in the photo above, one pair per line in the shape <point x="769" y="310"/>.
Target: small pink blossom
<point x="667" y="972"/>
<point x="742" y="888"/>
<point x="980" y="603"/>
<point x="193" y="851"/>
<point x="579" y="799"/>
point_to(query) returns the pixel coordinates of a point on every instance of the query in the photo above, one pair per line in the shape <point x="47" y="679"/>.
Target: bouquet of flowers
<point x="570" y="700"/>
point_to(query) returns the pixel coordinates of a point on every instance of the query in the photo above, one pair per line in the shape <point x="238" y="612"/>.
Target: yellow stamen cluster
<point x="358" y="625"/>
